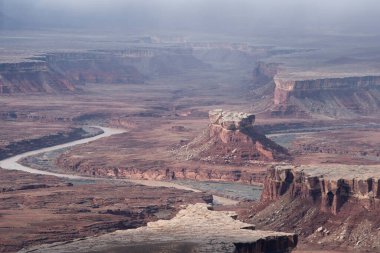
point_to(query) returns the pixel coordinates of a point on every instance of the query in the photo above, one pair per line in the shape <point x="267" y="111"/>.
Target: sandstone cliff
<point x="310" y="94"/>
<point x="325" y="187"/>
<point x="65" y="72"/>
<point x="330" y="206"/>
<point x="27" y="77"/>
<point x="190" y="171"/>
<point x="339" y="97"/>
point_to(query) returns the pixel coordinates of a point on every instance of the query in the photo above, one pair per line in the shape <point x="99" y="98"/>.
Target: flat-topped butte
<point x="231" y="120"/>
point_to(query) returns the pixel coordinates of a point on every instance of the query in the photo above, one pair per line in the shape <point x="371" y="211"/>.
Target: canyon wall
<point x="337" y="97"/>
<point x="332" y="207"/>
<point x="304" y="88"/>
<point x="94" y="67"/>
<point x="329" y="96"/>
<point x="28" y="77"/>
<point x="190" y="171"/>
<point x="66" y="72"/>
<point x="329" y="193"/>
<point x="264" y="73"/>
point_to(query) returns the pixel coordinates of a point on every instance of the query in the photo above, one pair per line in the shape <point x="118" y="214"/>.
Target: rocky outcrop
<point x="194" y="229"/>
<point x="231" y="137"/>
<point x="329" y="191"/>
<point x="231" y="120"/>
<point x="332" y="207"/>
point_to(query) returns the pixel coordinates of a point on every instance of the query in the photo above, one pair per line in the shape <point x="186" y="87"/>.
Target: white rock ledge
<point x="194" y="229"/>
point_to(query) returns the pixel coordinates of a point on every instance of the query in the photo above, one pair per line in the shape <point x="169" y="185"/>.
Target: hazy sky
<point x="219" y="16"/>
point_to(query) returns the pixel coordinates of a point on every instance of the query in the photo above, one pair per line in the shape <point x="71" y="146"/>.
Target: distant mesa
<point x="61" y="72"/>
<point x="333" y="96"/>
<point x="311" y="94"/>
<point x="313" y="87"/>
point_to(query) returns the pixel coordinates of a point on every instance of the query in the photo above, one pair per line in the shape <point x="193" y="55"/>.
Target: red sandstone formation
<point x="331" y="96"/>
<point x="306" y="96"/>
<point x="332" y="205"/>
<point x="190" y="171"/>
<point x="231" y="138"/>
<point x="330" y="190"/>
<point x="300" y="88"/>
<point x="304" y="88"/>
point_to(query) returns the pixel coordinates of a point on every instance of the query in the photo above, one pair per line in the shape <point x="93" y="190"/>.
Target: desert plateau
<point x="128" y="126"/>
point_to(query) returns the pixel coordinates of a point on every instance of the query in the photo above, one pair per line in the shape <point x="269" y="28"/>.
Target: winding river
<point x="12" y="164"/>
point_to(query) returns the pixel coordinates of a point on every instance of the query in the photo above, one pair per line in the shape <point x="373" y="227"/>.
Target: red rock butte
<point x="233" y="134"/>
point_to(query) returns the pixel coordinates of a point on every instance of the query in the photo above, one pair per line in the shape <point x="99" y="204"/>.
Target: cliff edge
<point x="330" y="206"/>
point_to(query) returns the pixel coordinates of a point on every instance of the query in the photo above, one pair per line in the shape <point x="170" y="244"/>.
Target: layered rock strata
<point x="194" y="229"/>
<point x="199" y="172"/>
<point x="331" y="207"/>
<point x="307" y="94"/>
<point x="309" y="87"/>
<point x="233" y="138"/>
<point x="329" y="186"/>
<point x="94" y="67"/>
<point x="65" y="72"/>
<point x="331" y="96"/>
<point x="33" y="76"/>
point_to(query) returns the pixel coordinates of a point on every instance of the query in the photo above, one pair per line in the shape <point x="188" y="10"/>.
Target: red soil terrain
<point x="163" y="96"/>
<point x="209" y="156"/>
<point x="39" y="209"/>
